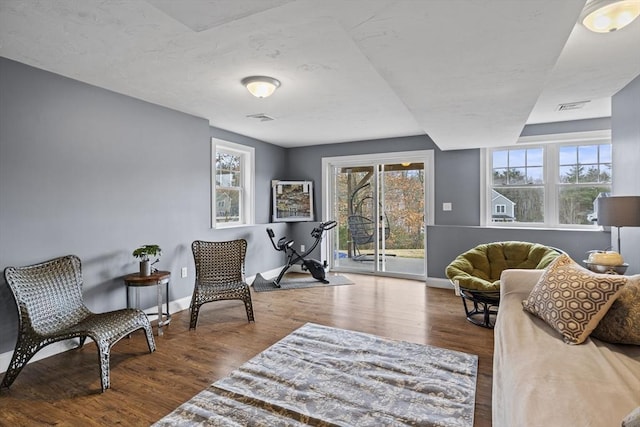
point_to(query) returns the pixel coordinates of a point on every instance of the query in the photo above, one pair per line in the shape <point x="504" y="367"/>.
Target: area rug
<point x="325" y="376"/>
<point x="260" y="284"/>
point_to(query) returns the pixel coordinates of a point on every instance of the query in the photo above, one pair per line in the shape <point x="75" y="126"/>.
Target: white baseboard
<point x="435" y="282"/>
<point x="50" y="350"/>
<point x="62" y="346"/>
<point x="174" y="307"/>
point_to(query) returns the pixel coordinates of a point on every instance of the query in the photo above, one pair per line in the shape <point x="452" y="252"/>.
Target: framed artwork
<point x="292" y="201"/>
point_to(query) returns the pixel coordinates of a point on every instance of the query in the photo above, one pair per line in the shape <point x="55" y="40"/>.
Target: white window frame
<point x="420" y="156"/>
<point x="247" y="166"/>
<point x="551" y="144"/>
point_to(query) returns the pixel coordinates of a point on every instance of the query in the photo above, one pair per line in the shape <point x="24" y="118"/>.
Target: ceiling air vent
<point x="261" y="116"/>
<point x="572" y="105"/>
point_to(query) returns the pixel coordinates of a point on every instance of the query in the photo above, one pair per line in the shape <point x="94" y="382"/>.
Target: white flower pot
<point x="145" y="268"/>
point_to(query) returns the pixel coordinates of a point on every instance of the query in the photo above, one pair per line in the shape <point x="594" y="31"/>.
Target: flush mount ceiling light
<point x="261" y="86"/>
<point x="605" y="16"/>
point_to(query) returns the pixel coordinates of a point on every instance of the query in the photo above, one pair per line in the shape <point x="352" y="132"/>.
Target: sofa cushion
<point x="538" y="380"/>
<point x="572" y="299"/>
<point x="621" y="324"/>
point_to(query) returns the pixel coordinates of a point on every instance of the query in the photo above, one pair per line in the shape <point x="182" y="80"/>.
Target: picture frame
<point x="292" y="201"/>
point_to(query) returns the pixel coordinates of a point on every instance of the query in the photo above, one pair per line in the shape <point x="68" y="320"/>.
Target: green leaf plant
<point x="145" y="251"/>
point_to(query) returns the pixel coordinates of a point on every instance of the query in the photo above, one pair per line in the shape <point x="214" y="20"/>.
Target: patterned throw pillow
<point x="621" y="324"/>
<point x="572" y="299"/>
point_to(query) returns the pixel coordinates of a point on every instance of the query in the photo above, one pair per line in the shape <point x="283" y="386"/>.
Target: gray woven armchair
<point x="51" y="309"/>
<point x="219" y="275"/>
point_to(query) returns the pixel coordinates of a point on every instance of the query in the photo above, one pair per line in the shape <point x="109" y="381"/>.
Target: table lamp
<point x="619" y="211"/>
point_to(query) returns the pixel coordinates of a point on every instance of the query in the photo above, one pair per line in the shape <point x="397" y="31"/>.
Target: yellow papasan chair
<point x="475" y="274"/>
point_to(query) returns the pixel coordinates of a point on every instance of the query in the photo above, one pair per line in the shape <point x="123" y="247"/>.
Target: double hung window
<point x="551" y="185"/>
<point x="233" y="181"/>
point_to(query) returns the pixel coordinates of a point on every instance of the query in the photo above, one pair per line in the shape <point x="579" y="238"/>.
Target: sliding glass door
<point x="379" y="204"/>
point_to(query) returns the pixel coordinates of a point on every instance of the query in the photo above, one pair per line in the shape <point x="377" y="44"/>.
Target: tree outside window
<point x="232" y="201"/>
<point x="228" y="187"/>
<point x="553" y="184"/>
<point x="518" y="175"/>
<point x="584" y="172"/>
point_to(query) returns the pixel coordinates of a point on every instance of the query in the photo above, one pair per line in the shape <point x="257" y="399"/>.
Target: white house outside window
<point x="550" y="185"/>
<point x="233" y="182"/>
<point x="518" y="176"/>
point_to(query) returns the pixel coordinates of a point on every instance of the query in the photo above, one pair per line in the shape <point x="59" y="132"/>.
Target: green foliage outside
<point x="579" y="187"/>
<point x="404" y="214"/>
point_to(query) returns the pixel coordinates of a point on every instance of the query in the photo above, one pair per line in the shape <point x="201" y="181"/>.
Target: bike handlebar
<point x="283" y="244"/>
<point x="328" y="225"/>
<point x="321" y="228"/>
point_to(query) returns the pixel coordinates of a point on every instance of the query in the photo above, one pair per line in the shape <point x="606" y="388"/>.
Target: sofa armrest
<point x="516" y="280"/>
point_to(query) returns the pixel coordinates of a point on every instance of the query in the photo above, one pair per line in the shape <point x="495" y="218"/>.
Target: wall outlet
<point x="446" y="206"/>
<point x="183" y="272"/>
<point x="302" y="248"/>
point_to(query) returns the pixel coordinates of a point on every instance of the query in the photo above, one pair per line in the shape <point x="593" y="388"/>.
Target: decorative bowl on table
<point x="606" y="269"/>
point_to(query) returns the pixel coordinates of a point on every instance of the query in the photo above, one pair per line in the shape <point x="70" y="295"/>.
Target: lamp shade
<point x="619" y="211"/>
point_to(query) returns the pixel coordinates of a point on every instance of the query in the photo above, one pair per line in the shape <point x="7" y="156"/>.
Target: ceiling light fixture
<point x="261" y="86"/>
<point x="605" y="16"/>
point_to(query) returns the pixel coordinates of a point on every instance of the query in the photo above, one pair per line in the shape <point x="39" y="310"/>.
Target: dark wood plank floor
<point x="65" y="389"/>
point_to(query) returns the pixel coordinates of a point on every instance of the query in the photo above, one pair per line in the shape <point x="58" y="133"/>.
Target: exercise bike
<point x="316" y="268"/>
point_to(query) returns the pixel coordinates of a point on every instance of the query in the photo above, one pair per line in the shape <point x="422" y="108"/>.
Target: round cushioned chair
<point x="476" y="274"/>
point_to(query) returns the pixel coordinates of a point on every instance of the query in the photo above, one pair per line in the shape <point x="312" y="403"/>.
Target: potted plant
<point x="143" y="253"/>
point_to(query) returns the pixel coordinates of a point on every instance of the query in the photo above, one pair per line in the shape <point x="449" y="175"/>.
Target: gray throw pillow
<point x="621" y="324"/>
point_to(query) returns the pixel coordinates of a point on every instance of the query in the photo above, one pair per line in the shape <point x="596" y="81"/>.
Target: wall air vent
<point x="572" y="105"/>
<point x="261" y="116"/>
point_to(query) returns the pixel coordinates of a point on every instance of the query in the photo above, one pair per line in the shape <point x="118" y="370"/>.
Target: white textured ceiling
<point x="469" y="73"/>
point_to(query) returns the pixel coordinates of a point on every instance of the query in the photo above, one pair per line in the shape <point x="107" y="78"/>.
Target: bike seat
<point x="283" y="243"/>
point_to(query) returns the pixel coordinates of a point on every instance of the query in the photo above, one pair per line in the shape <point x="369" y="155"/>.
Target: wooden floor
<point x="65" y="389"/>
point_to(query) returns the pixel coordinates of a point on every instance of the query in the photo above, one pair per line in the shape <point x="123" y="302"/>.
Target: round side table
<point x="157" y="278"/>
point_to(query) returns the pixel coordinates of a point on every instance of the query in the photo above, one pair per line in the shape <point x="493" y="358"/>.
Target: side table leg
<point x="166" y="295"/>
<point x="159" y="309"/>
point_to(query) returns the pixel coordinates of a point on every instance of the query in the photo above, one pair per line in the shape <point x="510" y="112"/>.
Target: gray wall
<point x="456" y="181"/>
<point x="87" y="171"/>
<point x="602" y="123"/>
<point x="625" y="123"/>
<point x="270" y="162"/>
<point x="444" y="243"/>
<point x="451" y="169"/>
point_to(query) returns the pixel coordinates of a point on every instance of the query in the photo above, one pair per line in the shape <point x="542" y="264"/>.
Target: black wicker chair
<point x="219" y="275"/>
<point x="51" y="309"/>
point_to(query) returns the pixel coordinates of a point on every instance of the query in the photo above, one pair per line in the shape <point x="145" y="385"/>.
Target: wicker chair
<point x="51" y="309"/>
<point x="476" y="273"/>
<point x="219" y="275"/>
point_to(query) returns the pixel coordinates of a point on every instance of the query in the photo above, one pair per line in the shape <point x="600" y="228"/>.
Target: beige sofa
<point x="538" y="380"/>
